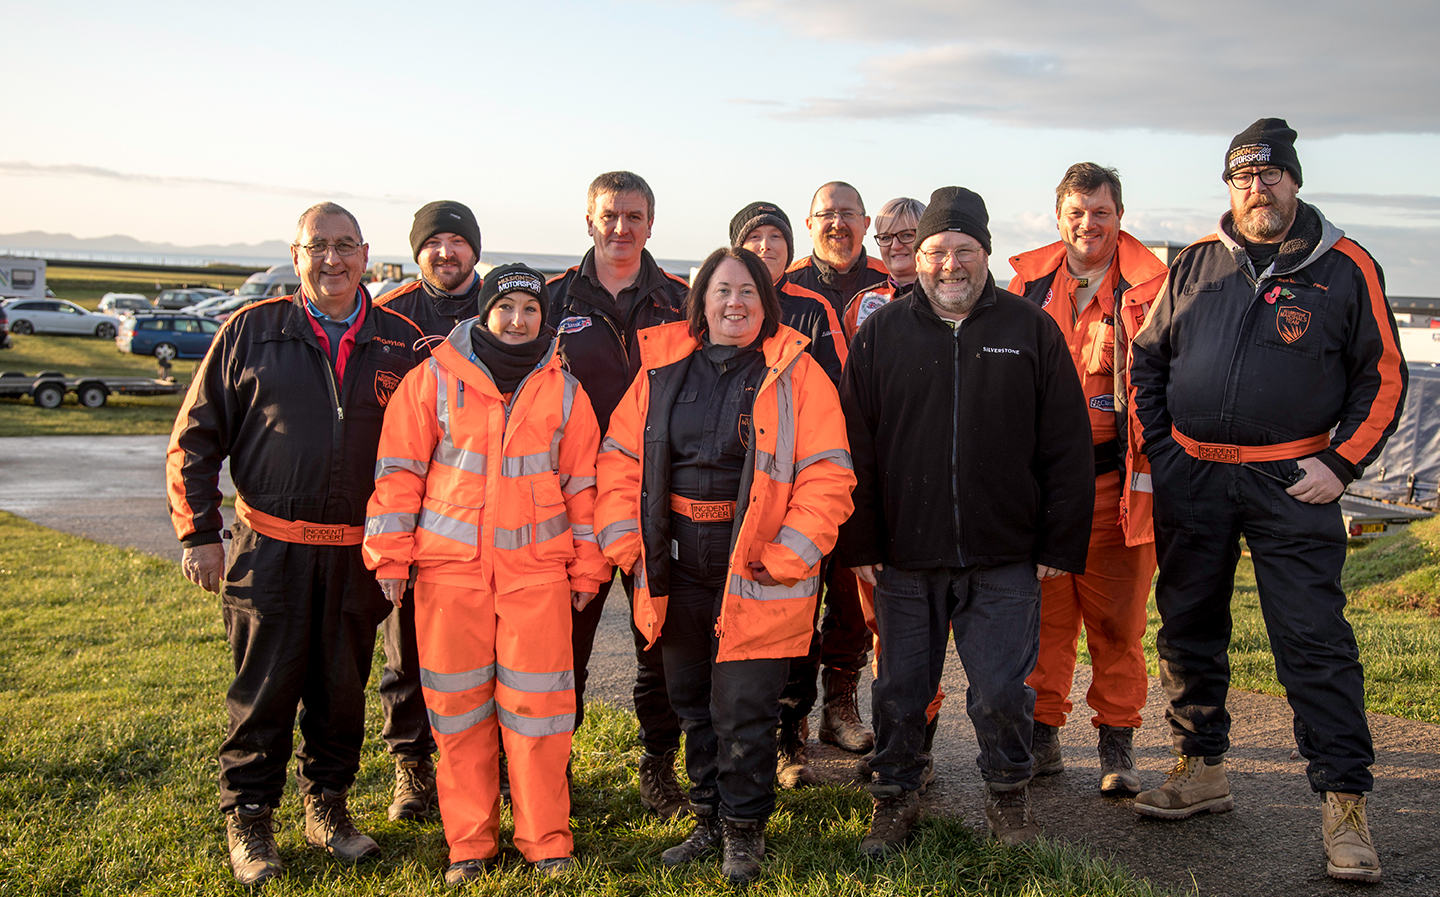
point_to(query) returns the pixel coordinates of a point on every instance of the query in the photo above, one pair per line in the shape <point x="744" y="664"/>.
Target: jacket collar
<point x="1310" y="237"/>
<point x="921" y="302"/>
<point x="1137" y="263"/>
<point x="456" y="356"/>
<point x="670" y="343"/>
<point x="650" y="279"/>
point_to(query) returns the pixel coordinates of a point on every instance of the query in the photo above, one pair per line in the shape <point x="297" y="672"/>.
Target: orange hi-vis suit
<point x="493" y="499"/>
<point x="1109" y="598"/>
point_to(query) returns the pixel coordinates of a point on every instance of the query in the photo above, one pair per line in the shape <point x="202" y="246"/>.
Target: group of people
<point x="467" y="462"/>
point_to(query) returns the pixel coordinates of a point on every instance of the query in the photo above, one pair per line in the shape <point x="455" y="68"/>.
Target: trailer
<point x="22" y="278"/>
<point x="48" y="388"/>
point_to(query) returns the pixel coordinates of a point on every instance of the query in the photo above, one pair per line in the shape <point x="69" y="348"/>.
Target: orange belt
<point x="298" y="530"/>
<point x="1244" y="454"/>
<point x="702" y="511"/>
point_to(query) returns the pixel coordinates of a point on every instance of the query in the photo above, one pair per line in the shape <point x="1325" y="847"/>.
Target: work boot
<point x="1194" y="786"/>
<point x="863" y="772"/>
<point x="744" y="849"/>
<point x="659" y="789"/>
<point x="1045" y="750"/>
<point x="792" y="766"/>
<point x="414" y="787"/>
<point x="704" y="837"/>
<point x="328" y="825"/>
<point x="1117" y="760"/>
<point x="840" y="722"/>
<point x="1349" y="852"/>
<point x="469" y="870"/>
<point x="250" y="835"/>
<point x="896" y="812"/>
<point x="554" y="866"/>
<point x="1008" y="815"/>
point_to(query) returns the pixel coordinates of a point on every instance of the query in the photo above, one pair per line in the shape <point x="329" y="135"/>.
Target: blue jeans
<point x="995" y="614"/>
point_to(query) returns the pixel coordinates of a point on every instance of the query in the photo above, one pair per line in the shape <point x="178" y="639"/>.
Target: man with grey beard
<point x="1266" y="377"/>
<point x="975" y="481"/>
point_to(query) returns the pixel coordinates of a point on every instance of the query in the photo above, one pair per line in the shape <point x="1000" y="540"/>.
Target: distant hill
<point x="34" y="239"/>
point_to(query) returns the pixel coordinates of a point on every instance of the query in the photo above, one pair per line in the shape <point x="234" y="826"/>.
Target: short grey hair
<point x="897" y="208"/>
<point x="325" y="209"/>
<point x="617" y="182"/>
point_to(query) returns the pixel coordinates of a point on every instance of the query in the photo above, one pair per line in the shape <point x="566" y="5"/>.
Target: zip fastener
<point x="955" y="446"/>
<point x="334" y="389"/>
<point x="1258" y="284"/>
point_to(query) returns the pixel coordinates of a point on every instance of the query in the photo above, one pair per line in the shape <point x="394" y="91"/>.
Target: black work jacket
<point x="434" y="313"/>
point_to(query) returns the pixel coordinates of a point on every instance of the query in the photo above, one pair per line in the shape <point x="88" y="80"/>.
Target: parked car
<point x="227" y="308"/>
<point x="119" y="303"/>
<point x="277" y="280"/>
<point x="5" y="341"/>
<point x="58" y="316"/>
<point x="177" y="299"/>
<point x="205" y="304"/>
<point x="167" y="336"/>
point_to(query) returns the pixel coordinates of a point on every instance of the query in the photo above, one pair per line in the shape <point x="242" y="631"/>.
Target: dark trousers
<point x="1201" y="511"/>
<point x="659" y="727"/>
<point x="995" y="615"/>
<point x="301" y="623"/>
<point x="841" y="642"/>
<point x="728" y="710"/>
<point x="406" y="729"/>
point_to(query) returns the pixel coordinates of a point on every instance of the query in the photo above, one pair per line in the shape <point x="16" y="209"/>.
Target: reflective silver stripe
<point x="449" y="527"/>
<point x="749" y="588"/>
<point x="386" y="466"/>
<point x="396" y="522"/>
<point x="536" y="683"/>
<point x="769" y="465"/>
<point x="525" y="465"/>
<point x="461" y="459"/>
<point x="545" y="530"/>
<point x="583" y="533"/>
<point x="614" y="531"/>
<point x="839" y="456"/>
<point x="537" y="726"/>
<point x="640" y="581"/>
<point x="799" y="543"/>
<point x="442" y="401"/>
<point x="567" y="400"/>
<point x="785" y="402"/>
<point x="575" y="485"/>
<point x="1140" y="482"/>
<point x="449" y="683"/>
<point x="453" y="725"/>
<point x="610" y="445"/>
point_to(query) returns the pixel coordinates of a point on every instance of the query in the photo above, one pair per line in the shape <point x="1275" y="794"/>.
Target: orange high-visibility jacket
<point x="469" y="485"/>
<point x="795" y="493"/>
<point x="1141" y="275"/>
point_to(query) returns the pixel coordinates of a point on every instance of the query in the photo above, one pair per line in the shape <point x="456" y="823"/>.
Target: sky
<point x="193" y="124"/>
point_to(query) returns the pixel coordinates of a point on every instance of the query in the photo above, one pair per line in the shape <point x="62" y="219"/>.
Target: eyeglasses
<point x="829" y="215"/>
<point x="937" y="257"/>
<point x="320" y="248"/>
<point x="1269" y="177"/>
<point x="906" y="237"/>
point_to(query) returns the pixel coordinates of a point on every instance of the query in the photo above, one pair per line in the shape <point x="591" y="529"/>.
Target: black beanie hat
<point x="1269" y="141"/>
<point x="955" y="208"/>
<point x="445" y="216"/>
<point x="508" y="279"/>
<point x="756" y="214"/>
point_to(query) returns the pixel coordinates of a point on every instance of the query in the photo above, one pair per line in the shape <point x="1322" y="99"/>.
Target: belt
<point x="302" y="531"/>
<point x="1244" y="454"/>
<point x="702" y="511"/>
<point x="1107" y="457"/>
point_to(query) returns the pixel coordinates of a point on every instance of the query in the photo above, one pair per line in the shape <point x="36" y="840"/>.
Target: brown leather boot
<point x="1349" y="853"/>
<point x="250" y="835"/>
<point x="328" y="825"/>
<point x="744" y="849"/>
<point x="840" y="722"/>
<point x="414" y="787"/>
<point x="792" y="765"/>
<point x="659" y="788"/>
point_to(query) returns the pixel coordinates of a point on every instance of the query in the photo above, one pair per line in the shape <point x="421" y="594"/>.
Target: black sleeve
<point x="1150" y="354"/>
<point x="862" y="537"/>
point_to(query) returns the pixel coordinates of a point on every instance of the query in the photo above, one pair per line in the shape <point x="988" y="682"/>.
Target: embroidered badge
<point x="573" y="325"/>
<point x="385" y="384"/>
<point x="1103" y="403"/>
<point x="1292" y="322"/>
<point x="1049" y="294"/>
<point x="869" y="303"/>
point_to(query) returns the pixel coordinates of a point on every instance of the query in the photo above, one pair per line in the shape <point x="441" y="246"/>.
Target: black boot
<point x="659" y="788"/>
<point x="744" y="849"/>
<point x="704" y="837"/>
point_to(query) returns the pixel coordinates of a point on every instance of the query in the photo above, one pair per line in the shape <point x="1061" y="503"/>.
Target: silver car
<point x="58" y="316"/>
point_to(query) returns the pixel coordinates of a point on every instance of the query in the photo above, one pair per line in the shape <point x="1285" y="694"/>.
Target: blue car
<point x="167" y="337"/>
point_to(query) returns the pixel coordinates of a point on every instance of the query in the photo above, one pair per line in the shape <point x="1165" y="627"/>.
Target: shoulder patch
<point x="573" y="325"/>
<point x="1105" y="402"/>
<point x="869" y="304"/>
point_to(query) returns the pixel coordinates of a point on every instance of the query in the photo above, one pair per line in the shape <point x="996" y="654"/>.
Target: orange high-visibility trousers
<point x="492" y="667"/>
<point x="1109" y="599"/>
<point x="867" y="606"/>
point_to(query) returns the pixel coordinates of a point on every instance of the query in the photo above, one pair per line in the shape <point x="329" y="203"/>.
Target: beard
<point x="1264" y="218"/>
<point x="837" y="248"/>
<point x="446" y="281"/>
<point x="955" y="298"/>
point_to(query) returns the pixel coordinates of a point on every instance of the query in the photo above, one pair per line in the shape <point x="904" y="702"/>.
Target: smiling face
<point x="899" y="257"/>
<point x="329" y="280"/>
<point x="837" y="223"/>
<point x="514" y="317"/>
<point x="1090" y="226"/>
<point x="769" y="243"/>
<point x="447" y="261"/>
<point x="952" y="268"/>
<point x="619" y="224"/>
<point x="732" y="305"/>
<point x="1263" y="213"/>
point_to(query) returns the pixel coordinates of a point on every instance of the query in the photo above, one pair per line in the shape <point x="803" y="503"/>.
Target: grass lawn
<point x="114" y="667"/>
<point x="1392" y="588"/>
<point x="85" y="286"/>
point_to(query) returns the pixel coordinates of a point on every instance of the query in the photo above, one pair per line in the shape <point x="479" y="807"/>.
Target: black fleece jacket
<point x="971" y="446"/>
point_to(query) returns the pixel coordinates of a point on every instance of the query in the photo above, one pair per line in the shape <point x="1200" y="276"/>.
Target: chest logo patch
<point x="385" y="384"/>
<point x="1049" y="297"/>
<point x="1292" y="322"/>
<point x="1103" y="403"/>
<point x="573" y="325"/>
<point x="869" y="304"/>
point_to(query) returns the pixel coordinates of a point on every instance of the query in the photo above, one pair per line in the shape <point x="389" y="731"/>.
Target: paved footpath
<point x="111" y="489"/>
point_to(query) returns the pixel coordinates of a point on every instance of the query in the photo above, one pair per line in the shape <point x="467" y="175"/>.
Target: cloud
<point x="1330" y="67"/>
<point x="30" y="169"/>
<point x="1403" y="202"/>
